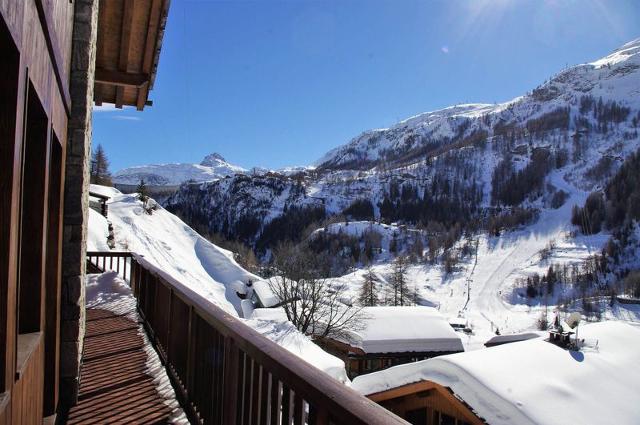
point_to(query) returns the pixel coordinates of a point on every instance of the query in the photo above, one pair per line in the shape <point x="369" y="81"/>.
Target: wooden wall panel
<point x="26" y="397"/>
<point x="35" y="57"/>
<point x="58" y="117"/>
<point x="5" y="408"/>
<point x="425" y="395"/>
<point x="61" y="14"/>
<point x="53" y="278"/>
<point x="11" y="87"/>
<point x="42" y="33"/>
<point x="12" y="11"/>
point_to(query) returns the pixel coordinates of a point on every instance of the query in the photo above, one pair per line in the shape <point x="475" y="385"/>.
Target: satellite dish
<point x="574" y="319"/>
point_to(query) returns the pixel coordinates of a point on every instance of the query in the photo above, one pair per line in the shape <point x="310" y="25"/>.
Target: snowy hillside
<point x="212" y="167"/>
<point x="169" y="244"/>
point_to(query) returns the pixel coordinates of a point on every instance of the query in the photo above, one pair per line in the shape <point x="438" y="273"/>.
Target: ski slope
<point x="483" y="294"/>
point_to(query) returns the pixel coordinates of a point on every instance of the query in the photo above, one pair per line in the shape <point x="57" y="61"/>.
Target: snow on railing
<point x="224" y="371"/>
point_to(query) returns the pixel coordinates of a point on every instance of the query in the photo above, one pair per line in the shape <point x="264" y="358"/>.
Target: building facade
<point x="58" y="56"/>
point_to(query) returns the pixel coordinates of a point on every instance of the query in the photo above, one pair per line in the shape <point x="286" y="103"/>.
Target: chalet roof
<point x="129" y="40"/>
<point x="534" y="381"/>
<point x="262" y="290"/>
<point x="505" y="339"/>
<point x="405" y="329"/>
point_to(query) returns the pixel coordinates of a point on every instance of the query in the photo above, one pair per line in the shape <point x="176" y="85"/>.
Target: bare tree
<point x="315" y="307"/>
<point x="399" y="284"/>
<point x="368" y="296"/>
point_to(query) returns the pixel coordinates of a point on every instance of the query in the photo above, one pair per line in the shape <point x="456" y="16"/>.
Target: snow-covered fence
<point x="117" y="261"/>
<point x="227" y="373"/>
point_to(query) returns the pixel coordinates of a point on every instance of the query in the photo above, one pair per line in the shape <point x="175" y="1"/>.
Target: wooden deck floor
<point x="114" y="386"/>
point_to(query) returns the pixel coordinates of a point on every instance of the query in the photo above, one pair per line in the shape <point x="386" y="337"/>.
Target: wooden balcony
<point x="223" y="371"/>
<point x="115" y="387"/>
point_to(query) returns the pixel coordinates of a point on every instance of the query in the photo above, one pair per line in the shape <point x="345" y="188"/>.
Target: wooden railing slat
<point x="264" y="395"/>
<point x="298" y="410"/>
<point x="231" y="376"/>
<point x="274" y="401"/>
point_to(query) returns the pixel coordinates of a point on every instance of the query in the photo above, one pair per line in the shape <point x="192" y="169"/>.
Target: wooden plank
<point x="255" y="393"/>
<point x="265" y="380"/>
<point x="121" y="78"/>
<point x="55" y="53"/>
<point x="125" y="46"/>
<point x="298" y="410"/>
<point x="53" y="278"/>
<point x="286" y="405"/>
<point x="11" y="109"/>
<point x="149" y="49"/>
<point x="231" y="358"/>
<point x="274" y="401"/>
<point x="115" y="386"/>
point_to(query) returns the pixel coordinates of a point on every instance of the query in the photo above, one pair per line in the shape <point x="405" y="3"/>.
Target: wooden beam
<point x="121" y="79"/>
<point x="125" y="44"/>
<point x="149" y="48"/>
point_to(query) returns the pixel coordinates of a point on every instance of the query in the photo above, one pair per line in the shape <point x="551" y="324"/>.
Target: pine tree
<point x="99" y="172"/>
<point x="142" y="191"/>
<point x="368" y="296"/>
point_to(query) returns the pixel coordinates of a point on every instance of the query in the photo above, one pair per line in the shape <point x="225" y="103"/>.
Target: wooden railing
<point x="224" y="371"/>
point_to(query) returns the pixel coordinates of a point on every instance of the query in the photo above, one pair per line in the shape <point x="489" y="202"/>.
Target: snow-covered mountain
<point x="212" y="167"/>
<point x="484" y="193"/>
<point x="449" y="165"/>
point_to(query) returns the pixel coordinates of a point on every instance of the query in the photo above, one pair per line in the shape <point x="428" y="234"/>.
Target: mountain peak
<point x="212" y="159"/>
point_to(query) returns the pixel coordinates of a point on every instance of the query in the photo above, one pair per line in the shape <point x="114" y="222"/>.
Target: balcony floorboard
<point x="115" y="386"/>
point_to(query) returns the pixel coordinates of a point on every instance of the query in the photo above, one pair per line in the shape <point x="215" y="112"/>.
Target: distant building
<point x="395" y="335"/>
<point x="527" y="382"/>
<point x="507" y="339"/>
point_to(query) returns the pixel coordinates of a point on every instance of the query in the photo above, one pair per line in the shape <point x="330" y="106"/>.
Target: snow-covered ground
<point x="167" y="243"/>
<point x="483" y="293"/>
<point x="536" y="382"/>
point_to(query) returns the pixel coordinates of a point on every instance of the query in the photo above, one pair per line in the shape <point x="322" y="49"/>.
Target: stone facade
<point x="76" y="199"/>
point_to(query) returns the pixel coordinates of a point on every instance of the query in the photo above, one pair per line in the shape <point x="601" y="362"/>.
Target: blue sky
<point x="276" y="83"/>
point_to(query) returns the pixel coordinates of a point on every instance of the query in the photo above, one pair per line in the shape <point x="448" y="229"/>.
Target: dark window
<point x="440" y="418"/>
<point x="9" y="82"/>
<point x="447" y="420"/>
<point x="52" y="275"/>
<point x="417" y="416"/>
<point x="33" y="214"/>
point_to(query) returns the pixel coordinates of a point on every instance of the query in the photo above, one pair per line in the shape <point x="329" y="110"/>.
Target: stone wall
<point x="76" y="197"/>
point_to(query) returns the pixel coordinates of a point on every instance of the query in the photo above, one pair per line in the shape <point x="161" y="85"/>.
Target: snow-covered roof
<point x="104" y="190"/>
<point x="262" y="289"/>
<point x="504" y="339"/>
<point x="405" y="329"/>
<point x="536" y="382"/>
